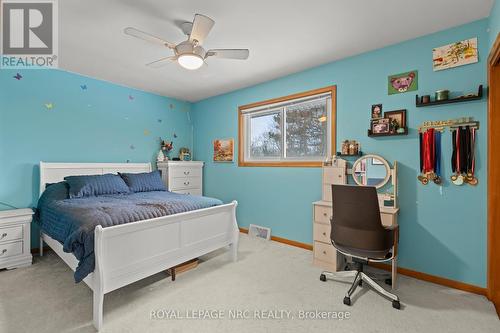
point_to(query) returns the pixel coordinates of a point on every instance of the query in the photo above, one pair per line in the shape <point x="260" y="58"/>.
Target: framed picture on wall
<point x="223" y="150"/>
<point x="397" y="117"/>
<point x="380" y="126"/>
<point x="403" y="82"/>
<point x="376" y="111"/>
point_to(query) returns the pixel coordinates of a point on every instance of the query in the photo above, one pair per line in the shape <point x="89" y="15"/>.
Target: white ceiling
<point x="283" y="36"/>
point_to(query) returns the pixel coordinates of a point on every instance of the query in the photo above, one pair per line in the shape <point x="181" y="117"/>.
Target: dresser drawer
<point x="185" y="183"/>
<point x="11" y="233"/>
<point x="11" y="249"/>
<point x="181" y="172"/>
<point x="322" y="232"/>
<point x="333" y="175"/>
<point x="322" y="214"/>
<point x="325" y="252"/>
<point x="327" y="192"/>
<point x="193" y="191"/>
<point x="388" y="220"/>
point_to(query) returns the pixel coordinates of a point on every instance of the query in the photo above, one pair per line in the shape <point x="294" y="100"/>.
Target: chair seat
<point x="368" y="254"/>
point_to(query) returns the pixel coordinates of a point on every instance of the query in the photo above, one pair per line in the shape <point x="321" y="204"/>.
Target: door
<point x="494" y="175"/>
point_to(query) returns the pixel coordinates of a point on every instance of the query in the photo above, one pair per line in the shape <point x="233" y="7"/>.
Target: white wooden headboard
<point x="55" y="172"/>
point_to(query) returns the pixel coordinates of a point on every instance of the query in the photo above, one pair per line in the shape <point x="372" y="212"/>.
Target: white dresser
<point x="324" y="254"/>
<point x="182" y="176"/>
<point x="15" y="239"/>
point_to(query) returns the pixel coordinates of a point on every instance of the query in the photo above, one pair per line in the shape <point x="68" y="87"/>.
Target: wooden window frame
<point x="332" y="90"/>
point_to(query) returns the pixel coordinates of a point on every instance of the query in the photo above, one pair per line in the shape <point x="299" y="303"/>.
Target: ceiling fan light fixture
<point x="190" y="61"/>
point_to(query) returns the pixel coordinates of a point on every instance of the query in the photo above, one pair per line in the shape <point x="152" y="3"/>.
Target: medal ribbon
<point x="437" y="140"/>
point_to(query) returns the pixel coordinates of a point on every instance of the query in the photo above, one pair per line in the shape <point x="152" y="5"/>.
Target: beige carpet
<point x="268" y="276"/>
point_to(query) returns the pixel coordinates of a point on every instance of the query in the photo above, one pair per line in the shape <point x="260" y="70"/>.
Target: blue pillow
<point x="86" y="186"/>
<point x="144" y="182"/>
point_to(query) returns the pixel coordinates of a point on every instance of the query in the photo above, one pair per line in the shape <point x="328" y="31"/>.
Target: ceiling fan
<point x="189" y="54"/>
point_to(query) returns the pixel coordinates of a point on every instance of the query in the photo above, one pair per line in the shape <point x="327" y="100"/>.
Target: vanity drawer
<point x="322" y="232"/>
<point x="11" y="249"/>
<point x="333" y="175"/>
<point x="185" y="183"/>
<point x="322" y="214"/>
<point x="388" y="220"/>
<point x="325" y="252"/>
<point x="327" y="192"/>
<point x="181" y="172"/>
<point x="11" y="233"/>
<point x="193" y="191"/>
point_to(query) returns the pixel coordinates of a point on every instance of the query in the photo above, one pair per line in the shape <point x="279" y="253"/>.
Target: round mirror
<point x="371" y="170"/>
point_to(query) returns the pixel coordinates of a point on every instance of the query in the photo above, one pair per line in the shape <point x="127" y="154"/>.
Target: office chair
<point x="357" y="232"/>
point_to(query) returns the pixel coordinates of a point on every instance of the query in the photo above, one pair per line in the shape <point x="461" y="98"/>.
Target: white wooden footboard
<point x="129" y="252"/>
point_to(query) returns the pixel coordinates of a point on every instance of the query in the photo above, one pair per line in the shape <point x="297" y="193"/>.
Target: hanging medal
<point x="421" y="177"/>
<point x="457" y="178"/>
<point x="471" y="179"/>
<point x="437" y="158"/>
<point x="429" y="154"/>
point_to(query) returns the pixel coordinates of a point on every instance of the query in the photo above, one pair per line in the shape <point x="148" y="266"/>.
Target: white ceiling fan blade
<point x="241" y="54"/>
<point x="162" y="62"/>
<point x="147" y="37"/>
<point x="201" y="27"/>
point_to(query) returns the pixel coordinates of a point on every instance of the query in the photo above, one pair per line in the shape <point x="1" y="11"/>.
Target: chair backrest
<point x="356" y="221"/>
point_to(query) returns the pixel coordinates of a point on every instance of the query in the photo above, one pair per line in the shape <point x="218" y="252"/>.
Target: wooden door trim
<point x="493" y="283"/>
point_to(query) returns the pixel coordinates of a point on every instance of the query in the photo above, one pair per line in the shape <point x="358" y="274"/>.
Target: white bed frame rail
<point x="130" y="252"/>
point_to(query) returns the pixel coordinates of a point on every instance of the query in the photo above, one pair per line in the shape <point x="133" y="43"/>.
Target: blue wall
<point x="99" y="124"/>
<point x="443" y="230"/>
<point x="494" y="22"/>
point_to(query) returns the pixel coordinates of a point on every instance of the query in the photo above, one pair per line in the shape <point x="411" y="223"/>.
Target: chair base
<point x="359" y="278"/>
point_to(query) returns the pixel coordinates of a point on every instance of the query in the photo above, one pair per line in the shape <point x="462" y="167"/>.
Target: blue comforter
<point x="72" y="221"/>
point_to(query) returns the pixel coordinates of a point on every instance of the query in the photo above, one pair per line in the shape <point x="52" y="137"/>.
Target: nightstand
<point x="183" y="177"/>
<point x="15" y="238"/>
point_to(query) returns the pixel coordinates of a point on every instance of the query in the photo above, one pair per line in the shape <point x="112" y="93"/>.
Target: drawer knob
<point x="324" y="233"/>
<point x="324" y="252"/>
<point x="3" y="252"/>
<point x="186" y="173"/>
<point x="325" y="214"/>
<point x="3" y="235"/>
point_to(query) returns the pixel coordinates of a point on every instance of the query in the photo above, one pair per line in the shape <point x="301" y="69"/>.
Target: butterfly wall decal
<point x="130" y="97"/>
<point x="49" y="106"/>
<point x="18" y="76"/>
<point x="175" y="135"/>
<point x="132" y="147"/>
<point x="83" y="87"/>
<point x="159" y="120"/>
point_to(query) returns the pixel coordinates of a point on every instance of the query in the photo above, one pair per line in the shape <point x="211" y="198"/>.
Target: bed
<point x="126" y="253"/>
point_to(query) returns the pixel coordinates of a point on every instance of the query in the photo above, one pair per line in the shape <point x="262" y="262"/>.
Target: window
<point x="296" y="130"/>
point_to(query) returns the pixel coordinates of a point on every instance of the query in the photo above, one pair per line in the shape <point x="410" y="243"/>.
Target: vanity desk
<point x="369" y="170"/>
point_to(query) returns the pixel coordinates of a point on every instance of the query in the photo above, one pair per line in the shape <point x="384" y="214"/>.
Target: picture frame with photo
<point x="380" y="126"/>
<point x="223" y="150"/>
<point x="397" y="119"/>
<point x="376" y="111"/>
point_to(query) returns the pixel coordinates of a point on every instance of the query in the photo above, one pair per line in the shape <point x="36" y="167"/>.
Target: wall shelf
<point x="370" y="134"/>
<point x="452" y="100"/>
<point x="339" y="154"/>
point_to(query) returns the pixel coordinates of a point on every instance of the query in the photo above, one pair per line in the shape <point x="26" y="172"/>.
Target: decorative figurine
<point x="160" y="157"/>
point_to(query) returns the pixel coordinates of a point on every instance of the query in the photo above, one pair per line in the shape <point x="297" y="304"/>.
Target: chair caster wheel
<point x="322" y="277"/>
<point x="388" y="282"/>
<point x="347" y="300"/>
<point x="360" y="283"/>
<point x="395" y="304"/>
